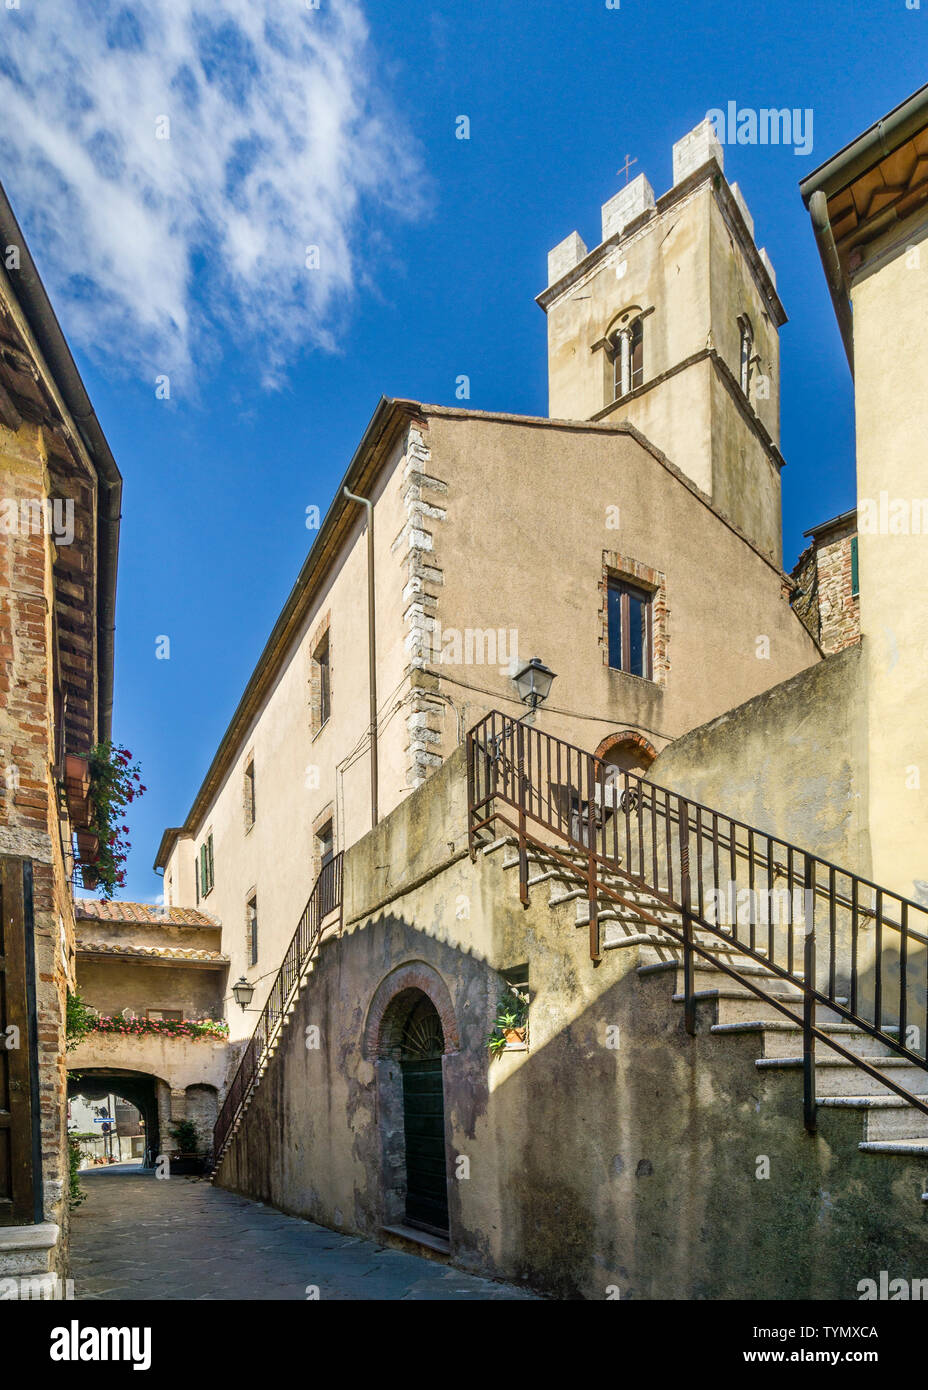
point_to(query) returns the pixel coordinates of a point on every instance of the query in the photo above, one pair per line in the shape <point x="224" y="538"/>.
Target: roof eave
<point x="35" y="304"/>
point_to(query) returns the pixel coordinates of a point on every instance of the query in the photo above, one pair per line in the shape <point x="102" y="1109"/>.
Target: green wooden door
<point x="424" y="1124"/>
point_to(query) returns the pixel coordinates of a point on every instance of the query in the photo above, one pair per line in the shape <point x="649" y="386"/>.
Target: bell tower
<point x="672" y="323"/>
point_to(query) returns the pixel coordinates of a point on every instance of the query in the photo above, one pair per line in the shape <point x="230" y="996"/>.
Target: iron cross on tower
<point x="626" y="166"/>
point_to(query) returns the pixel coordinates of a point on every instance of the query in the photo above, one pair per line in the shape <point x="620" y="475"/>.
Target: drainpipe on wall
<point x="371" y="643"/>
<point x="831" y="264"/>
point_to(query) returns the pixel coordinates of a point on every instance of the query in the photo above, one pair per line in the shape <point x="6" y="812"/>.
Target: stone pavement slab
<point x="140" y="1237"/>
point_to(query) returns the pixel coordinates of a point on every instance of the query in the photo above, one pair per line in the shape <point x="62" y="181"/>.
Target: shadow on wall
<point x="615" y="1154"/>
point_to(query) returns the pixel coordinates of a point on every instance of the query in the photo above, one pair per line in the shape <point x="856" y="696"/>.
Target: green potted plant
<point x="510" y="1027"/>
<point x="186" y="1158"/>
<point x="76" y="1194"/>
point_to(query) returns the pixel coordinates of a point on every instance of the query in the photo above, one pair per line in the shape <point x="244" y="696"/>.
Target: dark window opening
<point x="325" y="839"/>
<point x="855" y="579"/>
<point x="252" y="917"/>
<point x="629" y="628"/>
<point x="250" y="795"/>
<point x="323" y="670"/>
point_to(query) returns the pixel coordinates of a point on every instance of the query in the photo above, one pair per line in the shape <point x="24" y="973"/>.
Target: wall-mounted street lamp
<point x="243" y="992"/>
<point x="533" y="682"/>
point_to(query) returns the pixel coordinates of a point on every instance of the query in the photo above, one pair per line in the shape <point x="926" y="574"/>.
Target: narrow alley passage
<point x="138" y="1237"/>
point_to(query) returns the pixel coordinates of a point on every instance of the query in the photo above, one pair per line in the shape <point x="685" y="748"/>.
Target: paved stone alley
<point x="138" y="1237"/>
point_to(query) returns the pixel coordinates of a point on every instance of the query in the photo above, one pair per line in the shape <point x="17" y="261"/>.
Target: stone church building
<point x="603" y="914"/>
<point x="632" y="542"/>
<point x="561" y="876"/>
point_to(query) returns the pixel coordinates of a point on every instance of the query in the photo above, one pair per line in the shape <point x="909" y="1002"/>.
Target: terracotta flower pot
<point x="88" y="847"/>
<point x="77" y="789"/>
<point x="76" y="775"/>
<point x="514" y="1035"/>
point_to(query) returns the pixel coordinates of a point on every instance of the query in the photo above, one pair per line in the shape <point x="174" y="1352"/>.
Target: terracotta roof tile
<point x="158" y="952"/>
<point x="146" y="913"/>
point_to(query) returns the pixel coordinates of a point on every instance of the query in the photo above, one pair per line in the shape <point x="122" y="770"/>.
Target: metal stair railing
<point x="841" y="940"/>
<point x="325" y="897"/>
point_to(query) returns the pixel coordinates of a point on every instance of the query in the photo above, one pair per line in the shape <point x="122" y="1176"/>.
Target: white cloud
<point x="154" y="250"/>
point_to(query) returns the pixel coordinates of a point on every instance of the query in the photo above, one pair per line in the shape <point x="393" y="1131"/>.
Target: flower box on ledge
<point x="189" y="1028"/>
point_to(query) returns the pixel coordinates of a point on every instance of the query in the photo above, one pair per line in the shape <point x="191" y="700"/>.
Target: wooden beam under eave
<point x="9" y="415"/>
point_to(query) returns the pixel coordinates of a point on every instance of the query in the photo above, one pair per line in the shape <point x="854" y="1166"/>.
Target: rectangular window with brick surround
<point x="321" y="682"/>
<point x="629" y="628"/>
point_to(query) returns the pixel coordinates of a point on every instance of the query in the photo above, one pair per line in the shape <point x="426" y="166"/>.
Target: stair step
<point x="495" y="845"/>
<point x="877" y="1102"/>
<point x="907" y="1148"/>
<point x="784" y="1026"/>
<point x="735" y="993"/>
<point x="637" y="939"/>
<point x="833" y="1060"/>
<point x="27" y="1250"/>
<point x="845" y="1078"/>
<point x="748" y="968"/>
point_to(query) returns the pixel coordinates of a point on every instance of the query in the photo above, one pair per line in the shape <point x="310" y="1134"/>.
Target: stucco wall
<point x="111" y="986"/>
<point x="890" y="302"/>
<point x="792" y="762"/>
<point x="585" y="493"/>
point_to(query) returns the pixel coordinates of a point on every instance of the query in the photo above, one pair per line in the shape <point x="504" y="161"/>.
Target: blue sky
<point x="433" y="249"/>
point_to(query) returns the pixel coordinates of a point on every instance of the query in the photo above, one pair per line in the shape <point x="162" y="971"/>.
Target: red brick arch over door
<point x="389" y="1004"/>
<point x="629" y="742"/>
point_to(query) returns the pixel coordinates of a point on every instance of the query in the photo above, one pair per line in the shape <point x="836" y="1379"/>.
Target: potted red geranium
<point x="115" y="782"/>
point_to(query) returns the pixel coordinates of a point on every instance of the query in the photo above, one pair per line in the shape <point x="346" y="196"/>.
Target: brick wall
<point x="825" y="600"/>
<point x="29" y="814"/>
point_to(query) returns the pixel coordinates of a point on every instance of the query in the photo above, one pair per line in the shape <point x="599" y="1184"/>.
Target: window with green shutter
<point x="206" y="865"/>
<point x="855" y="583"/>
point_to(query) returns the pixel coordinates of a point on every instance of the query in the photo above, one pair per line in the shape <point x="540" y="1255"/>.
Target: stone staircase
<point x="891" y="1125"/>
<point x="27" y="1260"/>
<point x="307" y="968"/>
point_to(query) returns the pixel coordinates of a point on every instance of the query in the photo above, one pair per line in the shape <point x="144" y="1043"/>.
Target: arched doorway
<point x="626" y="752"/>
<point x="410" y="1028"/>
<point x="421" y="1045"/>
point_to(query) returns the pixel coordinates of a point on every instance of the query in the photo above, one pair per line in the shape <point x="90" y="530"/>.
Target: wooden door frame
<point x="21" y="1197"/>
